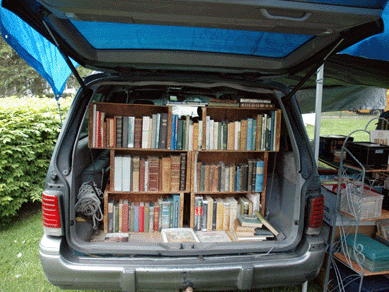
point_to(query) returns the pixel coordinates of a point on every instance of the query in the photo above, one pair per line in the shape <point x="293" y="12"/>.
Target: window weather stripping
<point x="310" y="73"/>
<point x="72" y="68"/>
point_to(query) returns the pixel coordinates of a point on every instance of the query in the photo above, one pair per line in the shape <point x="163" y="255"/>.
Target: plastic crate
<point x="370" y="155"/>
<point x="376" y="254"/>
<point x="329" y="143"/>
<point x="369" y="202"/>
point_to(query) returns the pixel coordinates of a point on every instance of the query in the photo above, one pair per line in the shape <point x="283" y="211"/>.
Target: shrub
<point x="28" y="131"/>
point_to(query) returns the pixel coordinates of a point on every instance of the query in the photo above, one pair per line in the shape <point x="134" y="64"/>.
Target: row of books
<point x="243" y="102"/>
<point x="220" y="213"/>
<point x="230" y="178"/>
<point x="150" y="132"/>
<point x="125" y="216"/>
<point x="149" y="174"/>
<point x="129" y="131"/>
<point x="251" y="134"/>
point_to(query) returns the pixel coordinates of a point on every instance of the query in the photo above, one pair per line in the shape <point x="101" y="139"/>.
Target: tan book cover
<point x="175" y="163"/>
<point x="166" y="173"/>
<point x="195" y="136"/>
<point x="219" y="214"/>
<point x="226" y="214"/>
<point x="210" y="212"/>
<point x="231" y="136"/>
<point x="135" y="173"/>
<point x="258" y="139"/>
<point x="243" y="135"/>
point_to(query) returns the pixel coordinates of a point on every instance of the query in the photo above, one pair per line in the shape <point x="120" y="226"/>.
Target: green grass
<point x="20" y="267"/>
<point x="344" y="126"/>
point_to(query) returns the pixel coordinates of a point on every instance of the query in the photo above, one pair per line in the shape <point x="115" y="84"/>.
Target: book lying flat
<point x="213" y="236"/>
<point x="179" y="235"/>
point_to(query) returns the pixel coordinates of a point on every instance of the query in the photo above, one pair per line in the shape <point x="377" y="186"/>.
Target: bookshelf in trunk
<point x="209" y="149"/>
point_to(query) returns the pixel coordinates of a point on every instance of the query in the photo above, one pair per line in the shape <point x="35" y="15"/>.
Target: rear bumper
<point x="68" y="271"/>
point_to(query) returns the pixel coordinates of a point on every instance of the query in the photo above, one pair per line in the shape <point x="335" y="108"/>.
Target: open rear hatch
<point x="167" y="53"/>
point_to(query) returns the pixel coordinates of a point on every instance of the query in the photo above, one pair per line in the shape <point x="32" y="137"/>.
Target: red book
<point x="138" y="133"/>
<point x="156" y="216"/>
<point x="142" y="217"/>
<point x="154" y="173"/>
<point x="125" y="216"/>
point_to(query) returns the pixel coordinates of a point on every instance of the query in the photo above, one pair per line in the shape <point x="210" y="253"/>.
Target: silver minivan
<point x="210" y="64"/>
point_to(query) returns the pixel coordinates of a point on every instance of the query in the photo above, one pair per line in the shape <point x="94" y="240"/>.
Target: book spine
<point x="146" y="217"/>
<point x="166" y="174"/>
<point x="249" y="134"/>
<point x="175" y="173"/>
<point x="119" y="131"/>
<point x="110" y="216"/>
<point x="125" y="216"/>
<point x="165" y="213"/>
<point x="163" y="131"/>
<point x="138" y="133"/>
<point x="145" y="131"/>
<point x="118" y="173"/>
<point x="183" y="172"/>
<point x="176" y="217"/>
<point x="127" y="173"/>
<point x="214" y="216"/>
<point x="151" y="218"/>
<point x="198" y="213"/>
<point x="156" y="216"/>
<point x="135" y="173"/>
<point x="142" y="173"/>
<point x="141" y="217"/>
<point x="226" y="214"/>
<point x="125" y="131"/>
<point x="259" y="176"/>
<point x="204" y="216"/>
<point x="132" y="217"/>
<point x="136" y="217"/>
<point x="131" y="130"/>
<point x="153" y="174"/>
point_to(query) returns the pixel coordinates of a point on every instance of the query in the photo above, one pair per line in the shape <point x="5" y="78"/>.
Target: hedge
<point x="28" y="131"/>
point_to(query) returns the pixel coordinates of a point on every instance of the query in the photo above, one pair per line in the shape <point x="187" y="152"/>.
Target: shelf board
<point x="384" y="215"/>
<point x="356" y="267"/>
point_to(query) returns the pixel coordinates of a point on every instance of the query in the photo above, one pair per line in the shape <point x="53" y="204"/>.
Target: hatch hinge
<point x="310" y="73"/>
<point x="72" y="68"/>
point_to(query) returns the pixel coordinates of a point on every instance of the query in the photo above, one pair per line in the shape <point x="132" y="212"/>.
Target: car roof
<point x="263" y="37"/>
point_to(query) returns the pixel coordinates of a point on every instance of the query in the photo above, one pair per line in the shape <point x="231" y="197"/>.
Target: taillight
<point x="51" y="214"/>
<point x="315" y="215"/>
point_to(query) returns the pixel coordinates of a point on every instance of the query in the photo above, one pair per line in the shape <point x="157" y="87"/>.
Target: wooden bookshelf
<point x="194" y="150"/>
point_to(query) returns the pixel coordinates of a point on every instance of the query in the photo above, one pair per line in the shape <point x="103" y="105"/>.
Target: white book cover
<point x="126" y="173"/>
<point x="216" y="136"/>
<point x="145" y="131"/>
<point x="200" y="135"/>
<point x="211" y="134"/>
<point x="207" y="132"/>
<point x="131" y="127"/>
<point x="379" y="137"/>
<point x="237" y="139"/>
<point x="190" y="138"/>
<point x="154" y="131"/>
<point x="146" y="175"/>
<point x="118" y="174"/>
<point x="150" y="133"/>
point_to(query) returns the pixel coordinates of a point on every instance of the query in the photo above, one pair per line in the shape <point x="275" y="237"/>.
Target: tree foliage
<point x="20" y="79"/>
<point x="28" y="131"/>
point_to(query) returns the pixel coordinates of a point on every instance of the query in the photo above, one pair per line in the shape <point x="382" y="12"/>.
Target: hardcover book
<point x="153" y="174"/>
<point x="146" y="217"/>
<point x="163" y="131"/>
<point x="138" y="133"/>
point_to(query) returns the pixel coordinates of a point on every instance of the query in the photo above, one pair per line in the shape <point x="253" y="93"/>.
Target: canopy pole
<point x="318" y="109"/>
<point x="72" y="68"/>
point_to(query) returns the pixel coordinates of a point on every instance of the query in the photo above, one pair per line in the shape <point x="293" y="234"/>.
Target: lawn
<point x="20" y="267"/>
<point x="332" y="125"/>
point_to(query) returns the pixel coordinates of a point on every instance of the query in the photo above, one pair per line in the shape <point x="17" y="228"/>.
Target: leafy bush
<point x="28" y="131"/>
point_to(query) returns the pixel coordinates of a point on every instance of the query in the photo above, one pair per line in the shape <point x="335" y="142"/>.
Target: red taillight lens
<point x="316" y="213"/>
<point x="50" y="211"/>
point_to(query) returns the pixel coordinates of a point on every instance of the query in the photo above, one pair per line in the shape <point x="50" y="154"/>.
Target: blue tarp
<point x="37" y="51"/>
<point x="375" y="47"/>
